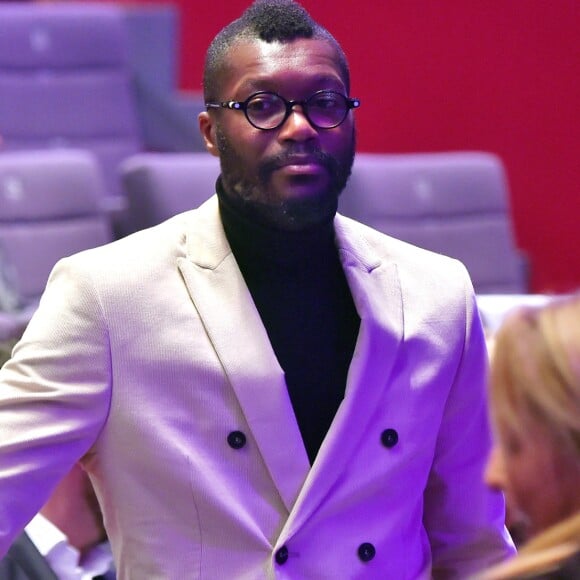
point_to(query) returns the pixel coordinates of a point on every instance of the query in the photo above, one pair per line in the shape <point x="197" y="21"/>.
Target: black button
<point x="281" y="555"/>
<point x="389" y="438"/>
<point x="236" y="439"/>
<point x="366" y="552"/>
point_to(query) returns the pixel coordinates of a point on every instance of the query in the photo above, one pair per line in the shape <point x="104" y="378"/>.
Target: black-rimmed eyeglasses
<point x="267" y="110"/>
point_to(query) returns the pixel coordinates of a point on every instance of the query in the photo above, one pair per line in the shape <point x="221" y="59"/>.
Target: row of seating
<point x="453" y="203"/>
<point x="80" y="75"/>
<point x="86" y="106"/>
<point x="49" y="208"/>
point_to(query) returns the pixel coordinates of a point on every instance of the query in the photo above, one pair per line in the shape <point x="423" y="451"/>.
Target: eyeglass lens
<point x="324" y="110"/>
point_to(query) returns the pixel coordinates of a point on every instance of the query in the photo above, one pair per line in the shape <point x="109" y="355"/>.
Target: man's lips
<point x="301" y="164"/>
<point x="297" y="164"/>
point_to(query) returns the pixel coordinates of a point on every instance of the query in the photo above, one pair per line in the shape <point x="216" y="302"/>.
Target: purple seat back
<point x="65" y="82"/>
<point x="161" y="185"/>
<point x="49" y="209"/>
<point x="455" y="204"/>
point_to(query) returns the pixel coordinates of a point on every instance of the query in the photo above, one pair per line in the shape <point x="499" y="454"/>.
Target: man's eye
<point x="262" y="105"/>
<point x="326" y="103"/>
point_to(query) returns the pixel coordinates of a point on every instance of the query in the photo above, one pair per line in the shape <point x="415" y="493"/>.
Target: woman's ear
<point x="207" y="130"/>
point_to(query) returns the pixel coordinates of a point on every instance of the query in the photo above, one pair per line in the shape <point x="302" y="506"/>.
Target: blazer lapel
<point x="234" y="327"/>
<point x="377" y="295"/>
<point x="239" y="338"/>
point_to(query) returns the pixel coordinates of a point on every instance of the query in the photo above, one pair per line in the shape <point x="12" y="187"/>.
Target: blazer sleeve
<point x="463" y="517"/>
<point x="54" y="395"/>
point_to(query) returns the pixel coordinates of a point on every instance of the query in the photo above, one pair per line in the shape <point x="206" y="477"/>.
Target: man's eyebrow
<point x="269" y="83"/>
<point x="255" y="84"/>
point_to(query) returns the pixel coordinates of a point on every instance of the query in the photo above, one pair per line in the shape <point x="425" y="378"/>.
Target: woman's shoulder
<point x="567" y="569"/>
<point x="546" y="565"/>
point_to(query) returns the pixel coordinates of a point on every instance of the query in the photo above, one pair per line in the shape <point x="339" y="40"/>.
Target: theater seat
<point x="455" y="204"/>
<point x="49" y="208"/>
<point x="65" y="82"/>
<point x="161" y="185"/>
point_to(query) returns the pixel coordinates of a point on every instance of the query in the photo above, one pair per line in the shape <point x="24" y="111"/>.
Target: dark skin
<point x="292" y="175"/>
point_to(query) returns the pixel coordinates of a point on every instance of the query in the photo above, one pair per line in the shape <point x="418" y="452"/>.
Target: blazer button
<point x="366" y="552"/>
<point x="389" y="438"/>
<point x="281" y="555"/>
<point x="236" y="439"/>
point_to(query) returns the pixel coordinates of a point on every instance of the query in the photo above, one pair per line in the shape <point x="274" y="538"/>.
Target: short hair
<point x="535" y="372"/>
<point x="270" y="21"/>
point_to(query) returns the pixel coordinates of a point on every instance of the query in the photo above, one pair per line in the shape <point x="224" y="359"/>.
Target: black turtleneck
<point x="300" y="290"/>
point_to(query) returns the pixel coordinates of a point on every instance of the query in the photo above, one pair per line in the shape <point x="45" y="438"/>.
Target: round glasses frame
<point x="349" y="103"/>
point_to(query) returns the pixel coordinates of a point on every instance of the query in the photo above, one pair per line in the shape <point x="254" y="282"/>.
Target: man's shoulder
<point x="435" y="282"/>
<point x="387" y="248"/>
<point x="167" y="237"/>
<point x="156" y="245"/>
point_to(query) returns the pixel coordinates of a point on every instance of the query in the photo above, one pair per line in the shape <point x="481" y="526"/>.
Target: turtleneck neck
<point x="249" y="236"/>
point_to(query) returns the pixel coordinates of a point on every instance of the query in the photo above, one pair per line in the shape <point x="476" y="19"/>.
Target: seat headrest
<point x="61" y="36"/>
<point x="38" y="185"/>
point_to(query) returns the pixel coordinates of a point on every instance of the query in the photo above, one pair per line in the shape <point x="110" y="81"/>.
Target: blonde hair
<point x="535" y="375"/>
<point x="541" y="554"/>
<point x="535" y="378"/>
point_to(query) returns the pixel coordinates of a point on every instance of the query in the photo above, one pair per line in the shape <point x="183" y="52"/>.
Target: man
<point x="65" y="540"/>
<point x="260" y="388"/>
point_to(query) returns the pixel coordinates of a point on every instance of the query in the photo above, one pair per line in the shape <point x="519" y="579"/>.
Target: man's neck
<point x="291" y="215"/>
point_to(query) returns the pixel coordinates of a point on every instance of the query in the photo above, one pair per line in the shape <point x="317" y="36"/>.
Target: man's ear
<point x="208" y="132"/>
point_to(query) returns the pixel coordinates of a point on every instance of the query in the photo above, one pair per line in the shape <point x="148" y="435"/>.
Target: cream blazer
<point x="145" y="355"/>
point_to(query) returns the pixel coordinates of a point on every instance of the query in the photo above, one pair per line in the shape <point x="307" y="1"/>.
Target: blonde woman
<point x="535" y="403"/>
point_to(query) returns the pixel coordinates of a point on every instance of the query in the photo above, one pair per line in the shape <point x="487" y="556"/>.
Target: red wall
<point x="500" y="76"/>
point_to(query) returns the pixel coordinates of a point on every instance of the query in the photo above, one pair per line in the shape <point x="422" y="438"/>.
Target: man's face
<point x="293" y="174"/>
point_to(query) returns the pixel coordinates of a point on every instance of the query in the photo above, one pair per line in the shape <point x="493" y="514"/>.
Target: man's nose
<point x="297" y="127"/>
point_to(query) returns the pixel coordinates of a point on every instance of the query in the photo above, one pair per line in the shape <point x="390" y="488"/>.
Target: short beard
<point x="253" y="193"/>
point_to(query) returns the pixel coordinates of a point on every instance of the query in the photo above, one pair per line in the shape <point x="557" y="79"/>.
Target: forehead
<point x="300" y="64"/>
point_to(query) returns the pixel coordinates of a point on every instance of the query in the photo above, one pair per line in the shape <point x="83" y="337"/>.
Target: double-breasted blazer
<point x="148" y="359"/>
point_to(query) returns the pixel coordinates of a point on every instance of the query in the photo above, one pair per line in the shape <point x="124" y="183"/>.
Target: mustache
<point x="271" y="164"/>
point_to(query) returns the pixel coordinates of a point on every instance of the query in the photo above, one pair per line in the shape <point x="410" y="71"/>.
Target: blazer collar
<point x="239" y="338"/>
